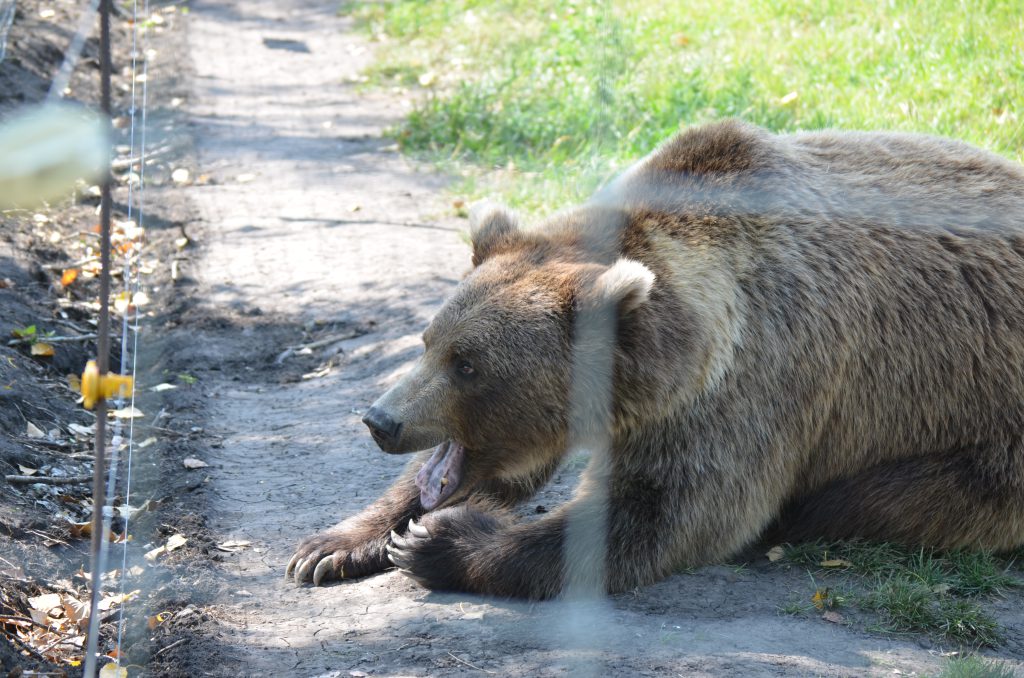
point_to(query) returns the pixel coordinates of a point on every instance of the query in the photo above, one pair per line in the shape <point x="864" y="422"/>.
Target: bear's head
<point x="493" y="391"/>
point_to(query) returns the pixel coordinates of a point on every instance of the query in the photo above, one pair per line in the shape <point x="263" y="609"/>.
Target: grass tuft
<point x="973" y="667"/>
<point x="919" y="591"/>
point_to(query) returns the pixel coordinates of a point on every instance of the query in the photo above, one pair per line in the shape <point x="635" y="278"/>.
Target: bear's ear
<point x="626" y="284"/>
<point x="490" y="225"/>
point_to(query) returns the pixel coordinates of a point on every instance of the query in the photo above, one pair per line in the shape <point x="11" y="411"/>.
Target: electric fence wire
<point x="132" y="288"/>
<point x="132" y="284"/>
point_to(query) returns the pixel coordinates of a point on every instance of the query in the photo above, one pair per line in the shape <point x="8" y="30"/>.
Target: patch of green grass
<point x="906" y="605"/>
<point x="978" y="573"/>
<point x="917" y="591"/>
<point x="540" y="101"/>
<point x="974" y="667"/>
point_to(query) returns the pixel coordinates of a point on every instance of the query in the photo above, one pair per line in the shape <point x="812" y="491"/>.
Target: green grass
<point x="973" y="667"/>
<point x="541" y="101"/>
<point x="917" y="591"/>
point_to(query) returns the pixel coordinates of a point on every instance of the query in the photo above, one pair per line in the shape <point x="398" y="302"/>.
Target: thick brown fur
<point x="833" y="342"/>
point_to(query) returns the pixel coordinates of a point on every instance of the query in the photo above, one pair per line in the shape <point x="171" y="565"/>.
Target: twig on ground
<point x="51" y="340"/>
<point x="48" y="480"/>
<point x="165" y="649"/>
<point x="73" y="264"/>
<point x="472" y="666"/>
<point x="23" y="620"/>
<point x="319" y="343"/>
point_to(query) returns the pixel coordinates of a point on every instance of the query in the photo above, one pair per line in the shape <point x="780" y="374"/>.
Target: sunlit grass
<point x="916" y="590"/>
<point x="556" y="96"/>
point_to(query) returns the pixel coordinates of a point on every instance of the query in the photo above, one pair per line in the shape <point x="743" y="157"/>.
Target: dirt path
<point x="314" y="228"/>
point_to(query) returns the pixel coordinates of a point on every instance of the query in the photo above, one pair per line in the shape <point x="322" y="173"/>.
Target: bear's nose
<point x="383" y="428"/>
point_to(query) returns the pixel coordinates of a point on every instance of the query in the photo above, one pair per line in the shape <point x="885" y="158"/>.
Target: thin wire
<point x="60" y="80"/>
<point x="131" y="294"/>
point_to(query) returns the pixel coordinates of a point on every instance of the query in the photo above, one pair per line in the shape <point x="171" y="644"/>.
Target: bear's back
<point x="869" y="178"/>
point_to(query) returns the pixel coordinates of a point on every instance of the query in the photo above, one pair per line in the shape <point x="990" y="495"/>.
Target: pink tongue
<point x="440" y="476"/>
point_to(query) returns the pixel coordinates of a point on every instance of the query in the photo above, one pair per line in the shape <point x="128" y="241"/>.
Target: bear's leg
<point x="355" y="547"/>
<point x="472" y="548"/>
<point x="973" y="498"/>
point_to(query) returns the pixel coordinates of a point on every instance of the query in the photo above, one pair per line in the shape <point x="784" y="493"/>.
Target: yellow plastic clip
<point x="95" y="387"/>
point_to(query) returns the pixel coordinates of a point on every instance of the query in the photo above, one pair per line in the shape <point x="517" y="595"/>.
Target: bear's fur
<point x="820" y="331"/>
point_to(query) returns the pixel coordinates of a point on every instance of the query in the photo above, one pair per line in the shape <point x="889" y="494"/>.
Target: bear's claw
<point x="418" y="530"/>
<point x="398" y="557"/>
<point x="325" y="565"/>
<point x="291" y="566"/>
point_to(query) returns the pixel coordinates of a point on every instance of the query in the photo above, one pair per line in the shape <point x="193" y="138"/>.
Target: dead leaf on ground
<point x="45" y="602"/>
<point x="174" y="542"/>
<point x="836" y="562"/>
<point x="234" y="545"/>
<point x="832" y="616"/>
<point x="126" y="511"/>
<point x="776" y="553"/>
<point x="42" y="349"/>
<point x="26" y="471"/>
<point x="193" y="463"/>
<point x="157" y="619"/>
<point x="33" y="431"/>
<point x="127" y="413"/>
<point x="79" y="430"/>
<point x="112" y="670"/>
<point x="110" y="601"/>
<point x="76" y="611"/>
<point x="69" y="276"/>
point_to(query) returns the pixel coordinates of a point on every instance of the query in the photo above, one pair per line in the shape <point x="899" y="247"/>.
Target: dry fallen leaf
<point x="157" y="620"/>
<point x="127" y="413"/>
<point x="33" y="431"/>
<point x="110" y="601"/>
<point x="176" y="541"/>
<point x="163" y="387"/>
<point x="81" y="530"/>
<point x="80" y="430"/>
<point x="776" y="553"/>
<point x="69" y="276"/>
<point x="820" y="598"/>
<point x="45" y="602"/>
<point x="836" y="562"/>
<point x="112" y="670"/>
<point x="42" y="349"/>
<point x="26" y="471"/>
<point x="234" y="545"/>
<point x="193" y="463"/>
<point x="76" y="611"/>
<point x="832" y="616"/>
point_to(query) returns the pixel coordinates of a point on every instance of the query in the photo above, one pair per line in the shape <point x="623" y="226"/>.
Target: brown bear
<point x="821" y="331"/>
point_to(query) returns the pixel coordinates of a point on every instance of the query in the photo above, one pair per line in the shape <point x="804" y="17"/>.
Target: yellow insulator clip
<point x="95" y="387"/>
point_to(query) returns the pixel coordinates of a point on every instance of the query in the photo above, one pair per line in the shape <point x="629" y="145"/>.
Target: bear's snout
<point x="385" y="430"/>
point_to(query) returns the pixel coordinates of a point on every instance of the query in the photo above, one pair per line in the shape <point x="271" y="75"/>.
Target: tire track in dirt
<point x="312" y="218"/>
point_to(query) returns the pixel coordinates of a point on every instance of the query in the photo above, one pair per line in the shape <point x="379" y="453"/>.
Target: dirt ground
<point x="316" y="255"/>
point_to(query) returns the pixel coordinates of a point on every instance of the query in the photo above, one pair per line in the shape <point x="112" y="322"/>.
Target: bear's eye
<point x="464" y="369"/>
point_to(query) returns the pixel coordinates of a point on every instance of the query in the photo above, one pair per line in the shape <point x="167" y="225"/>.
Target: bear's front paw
<point x="336" y="554"/>
<point x="437" y="551"/>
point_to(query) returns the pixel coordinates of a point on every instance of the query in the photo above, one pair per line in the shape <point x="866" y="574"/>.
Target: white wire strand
<point x="132" y="292"/>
